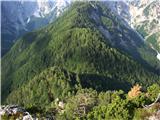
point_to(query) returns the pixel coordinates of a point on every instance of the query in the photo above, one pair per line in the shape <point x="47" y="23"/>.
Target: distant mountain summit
<point x="146" y="20"/>
<point x="20" y="17"/>
<point x="143" y="16"/>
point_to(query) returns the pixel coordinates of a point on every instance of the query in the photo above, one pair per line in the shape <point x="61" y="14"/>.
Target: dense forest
<point x="72" y="60"/>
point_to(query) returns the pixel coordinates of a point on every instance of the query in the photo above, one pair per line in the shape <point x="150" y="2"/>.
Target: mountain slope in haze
<point x="87" y="41"/>
<point x="20" y="17"/>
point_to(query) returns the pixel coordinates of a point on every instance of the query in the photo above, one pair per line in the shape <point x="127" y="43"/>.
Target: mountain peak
<point x="47" y="6"/>
<point x="60" y="5"/>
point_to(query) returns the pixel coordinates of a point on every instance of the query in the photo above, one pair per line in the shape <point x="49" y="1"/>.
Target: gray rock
<point x="15" y="110"/>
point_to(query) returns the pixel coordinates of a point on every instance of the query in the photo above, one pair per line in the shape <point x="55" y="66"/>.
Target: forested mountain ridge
<point x="76" y="42"/>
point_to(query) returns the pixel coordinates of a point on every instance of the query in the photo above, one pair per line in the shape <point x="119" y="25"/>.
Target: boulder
<point x="16" y="111"/>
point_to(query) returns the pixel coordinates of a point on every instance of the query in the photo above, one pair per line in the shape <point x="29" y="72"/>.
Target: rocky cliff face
<point x="145" y="16"/>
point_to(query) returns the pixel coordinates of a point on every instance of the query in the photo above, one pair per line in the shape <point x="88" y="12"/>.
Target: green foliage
<point x="79" y="105"/>
<point x="142" y="29"/>
<point x="141" y="100"/>
<point x="44" y="88"/>
<point x="107" y="22"/>
<point x="153" y="91"/>
<point x="153" y="40"/>
<point x="105" y="98"/>
<point x="92" y="105"/>
<point x="117" y="108"/>
<point x="141" y="114"/>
